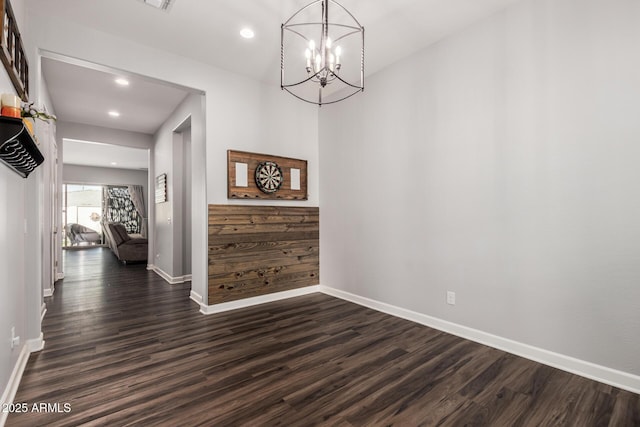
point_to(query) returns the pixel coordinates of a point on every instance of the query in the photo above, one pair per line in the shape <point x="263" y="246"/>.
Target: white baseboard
<point x="248" y="302"/>
<point x="583" y="368"/>
<point x="49" y="291"/>
<point x="167" y="277"/>
<point x="198" y="299"/>
<point x="43" y="311"/>
<point x="37" y="344"/>
<point x="14" y="382"/>
<point x="59" y="276"/>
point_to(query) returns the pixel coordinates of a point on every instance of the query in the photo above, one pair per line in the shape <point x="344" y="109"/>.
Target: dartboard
<point x="269" y="177"/>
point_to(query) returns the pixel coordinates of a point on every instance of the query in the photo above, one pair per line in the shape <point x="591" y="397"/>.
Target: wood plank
<point x="237" y="250"/>
<point x="262" y="219"/>
<point x="268" y="228"/>
<point x="262" y="210"/>
<point x="265" y="272"/>
<point x="228" y="294"/>
<point x="258" y="262"/>
<point x="268" y="276"/>
<point x="264" y="237"/>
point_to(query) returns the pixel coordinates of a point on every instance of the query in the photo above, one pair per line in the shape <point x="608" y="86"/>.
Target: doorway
<point x="140" y="108"/>
<point x="182" y="157"/>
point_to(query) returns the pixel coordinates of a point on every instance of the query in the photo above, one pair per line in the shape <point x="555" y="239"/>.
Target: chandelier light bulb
<point x="307" y="54"/>
<point x="312" y="45"/>
<point x="328" y="42"/>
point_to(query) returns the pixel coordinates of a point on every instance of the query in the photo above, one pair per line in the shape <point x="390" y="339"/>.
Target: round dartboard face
<point x="269" y="177"/>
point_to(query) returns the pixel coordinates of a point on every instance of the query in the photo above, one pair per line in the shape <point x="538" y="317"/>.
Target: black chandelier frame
<point x="325" y="75"/>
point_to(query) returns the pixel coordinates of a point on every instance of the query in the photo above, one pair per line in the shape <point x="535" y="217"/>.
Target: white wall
<point x="502" y="164"/>
<point x="261" y="119"/>
<point x="186" y="200"/>
<point x="12" y="252"/>
<point x="169" y="156"/>
<point x="19" y="292"/>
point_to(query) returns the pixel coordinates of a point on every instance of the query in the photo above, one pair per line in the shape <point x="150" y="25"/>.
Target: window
<point x="82" y="205"/>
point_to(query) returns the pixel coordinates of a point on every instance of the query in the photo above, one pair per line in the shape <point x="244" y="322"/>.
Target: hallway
<point x="109" y="332"/>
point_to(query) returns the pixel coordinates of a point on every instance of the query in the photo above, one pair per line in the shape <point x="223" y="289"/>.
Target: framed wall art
<point x="161" y="188"/>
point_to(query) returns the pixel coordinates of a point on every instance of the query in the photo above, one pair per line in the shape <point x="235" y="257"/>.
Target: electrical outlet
<point x="451" y="298"/>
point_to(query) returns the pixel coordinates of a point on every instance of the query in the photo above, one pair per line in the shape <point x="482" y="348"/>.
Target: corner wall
<point x="501" y="164"/>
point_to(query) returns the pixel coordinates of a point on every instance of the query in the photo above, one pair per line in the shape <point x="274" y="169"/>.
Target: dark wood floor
<point x="125" y="348"/>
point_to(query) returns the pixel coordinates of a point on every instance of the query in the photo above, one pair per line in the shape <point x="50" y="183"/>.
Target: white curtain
<point x="137" y="197"/>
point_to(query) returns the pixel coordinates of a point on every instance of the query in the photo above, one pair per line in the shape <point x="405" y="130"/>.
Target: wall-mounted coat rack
<point x="18" y="150"/>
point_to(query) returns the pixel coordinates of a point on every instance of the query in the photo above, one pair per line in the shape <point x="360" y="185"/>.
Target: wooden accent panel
<point x="257" y="250"/>
<point x="251" y="191"/>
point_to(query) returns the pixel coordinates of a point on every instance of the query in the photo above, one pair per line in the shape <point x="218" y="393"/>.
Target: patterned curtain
<point x="120" y="208"/>
<point x="137" y="197"/>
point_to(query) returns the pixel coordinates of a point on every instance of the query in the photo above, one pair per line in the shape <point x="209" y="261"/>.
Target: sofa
<point x="126" y="248"/>
<point x="77" y="234"/>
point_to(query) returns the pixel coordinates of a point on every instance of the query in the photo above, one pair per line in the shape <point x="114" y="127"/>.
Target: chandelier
<point x="323" y="55"/>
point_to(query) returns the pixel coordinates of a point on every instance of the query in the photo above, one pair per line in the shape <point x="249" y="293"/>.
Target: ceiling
<point x="85" y="95"/>
<point x="208" y="31"/>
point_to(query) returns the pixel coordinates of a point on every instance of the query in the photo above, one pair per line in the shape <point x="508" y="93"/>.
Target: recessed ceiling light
<point x="122" y="82"/>
<point x="114" y="163"/>
<point x="114" y="114"/>
<point x="247" y="33"/>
